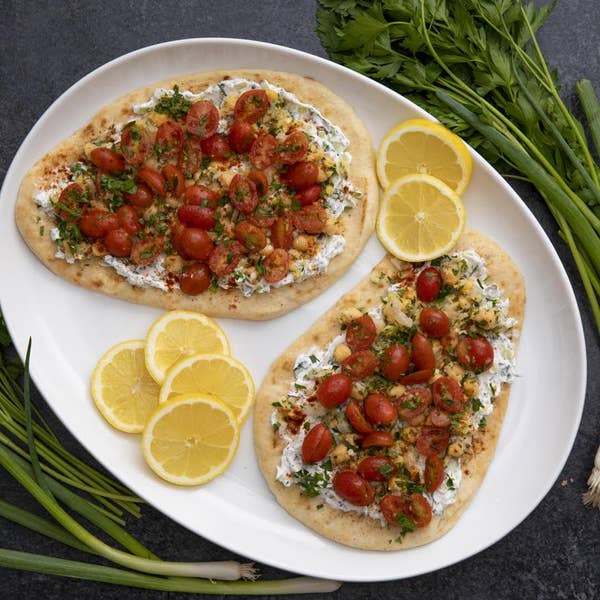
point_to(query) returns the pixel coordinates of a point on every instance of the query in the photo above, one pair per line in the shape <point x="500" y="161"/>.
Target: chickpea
<point x="340" y="454"/>
<point x="455" y="371"/>
<point x="467" y="286"/>
<point x="397" y="391"/>
<point x="410" y="434"/>
<point x="341" y="352"/>
<point x="268" y="249"/>
<point x="174" y="263"/>
<point x="358" y="392"/>
<point x="456" y="449"/>
<point x="293" y="253"/>
<point x="448" y="275"/>
<point x="301" y="243"/>
<point x="349" y="314"/>
<point x="471" y="387"/>
<point x="485" y="318"/>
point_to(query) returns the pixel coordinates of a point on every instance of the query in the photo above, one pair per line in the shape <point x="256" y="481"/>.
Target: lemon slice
<point x="191" y="439"/>
<point x="122" y="388"/>
<point x="423" y="146"/>
<point x="420" y="218"/>
<point x="218" y="376"/>
<point x="178" y="334"/>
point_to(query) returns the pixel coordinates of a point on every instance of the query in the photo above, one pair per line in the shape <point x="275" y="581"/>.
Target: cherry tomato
<point x="395" y="362"/>
<point x="251" y="106"/>
<point x="378" y="439"/>
<point x="392" y="507"/>
<point x="379" y="410"/>
<point x="174" y="180"/>
<point x="353" y="488"/>
<point x="243" y="194"/>
<point x="176" y="232"/>
<point x="413" y="403"/>
<point x="334" y="390"/>
<point x="312" y="218"/>
<point x="225" y="258"/>
<point x="241" y="135"/>
<point x="422" y="353"/>
<point x="202" y="119"/>
<point x="145" y="250"/>
<point x="107" y="160"/>
<point x="136" y="144"/>
<point x="356" y="418"/>
<point x="260" y="181"/>
<point x="128" y="218"/>
<point x="282" y="232"/>
<point x="302" y="175"/>
<point x="196" y="243"/>
<point x="475" y="353"/>
<point x="361" y="333"/>
<point x="434" y="473"/>
<point x="142" y="197"/>
<point x="434" y="322"/>
<point x="96" y="223"/>
<point x="448" y="395"/>
<point x="293" y="149"/>
<point x="190" y="159"/>
<point x="197" y="216"/>
<point x="263" y="220"/>
<point x="200" y="195"/>
<point x="277" y="265"/>
<point x="439" y="418"/>
<point x="316" y="444"/>
<point x="250" y="236"/>
<point x="169" y="141"/>
<point x="429" y="284"/>
<point x="195" y="279"/>
<point x="118" y="243"/>
<point x="154" y="180"/>
<point x="432" y="440"/>
<point x="419" y="510"/>
<point x="309" y="195"/>
<point x="360" y="364"/>
<point x="70" y="202"/>
<point x="376" y="468"/>
<point x="417" y="377"/>
<point x="263" y="151"/>
<point x="216" y="146"/>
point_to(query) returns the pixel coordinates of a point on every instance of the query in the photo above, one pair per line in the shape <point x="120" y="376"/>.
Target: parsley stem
<point x="591" y="108"/>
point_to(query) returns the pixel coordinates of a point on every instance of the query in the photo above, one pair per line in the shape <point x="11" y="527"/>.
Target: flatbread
<point x="350" y="528"/>
<point x="94" y="275"/>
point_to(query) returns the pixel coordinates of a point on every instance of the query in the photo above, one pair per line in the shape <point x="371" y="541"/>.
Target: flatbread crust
<point x="95" y="275"/>
<point x="350" y="528"/>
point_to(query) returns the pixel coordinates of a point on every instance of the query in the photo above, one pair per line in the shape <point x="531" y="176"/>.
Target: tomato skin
<point x="379" y="410"/>
<point x="70" y="202"/>
<point x="475" y="353"/>
<point x="154" y="180"/>
<point x="169" y="138"/>
<point x="361" y="333"/>
<point x="196" y="243"/>
<point x="216" y="147"/>
<point x="174" y="180"/>
<point x="312" y="219"/>
<point x="392" y="506"/>
<point x="195" y="279"/>
<point x="378" y="439"/>
<point x="225" y="258"/>
<point x="240" y="136"/>
<point x="360" y="364"/>
<point x="190" y="158"/>
<point x="136" y="144"/>
<point x="200" y="195"/>
<point x="260" y="181"/>
<point x="376" y="468"/>
<point x="263" y="151"/>
<point x="353" y="488"/>
<point x="302" y="175"/>
<point x="202" y="119"/>
<point x="251" y="106"/>
<point x="277" y="265"/>
<point x="417" y="377"/>
<point x="107" y="160"/>
<point x="250" y="236"/>
<point x="96" y="223"/>
<point x="264" y="221"/>
<point x="448" y="395"/>
<point x="422" y="353"/>
<point x="243" y="194"/>
<point x="428" y="285"/>
<point x="316" y="444"/>
<point x="419" y="510"/>
<point x="193" y="215"/>
<point x="144" y="251"/>
<point x="439" y="418"/>
<point x="128" y="219"/>
<point x="118" y="243"/>
<point x="308" y="195"/>
<point x="395" y="362"/>
<point x="293" y="149"/>
<point x="282" y="232"/>
<point x="356" y="418"/>
<point x="142" y="197"/>
<point x="414" y="506"/>
<point x="432" y="440"/>
<point x="413" y="403"/>
<point x="334" y="390"/>
<point x="434" y="473"/>
<point x="434" y="322"/>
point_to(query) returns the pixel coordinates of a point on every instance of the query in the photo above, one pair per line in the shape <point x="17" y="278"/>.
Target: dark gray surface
<point x="47" y="46"/>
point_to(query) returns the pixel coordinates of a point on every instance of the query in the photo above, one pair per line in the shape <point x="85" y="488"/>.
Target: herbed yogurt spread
<point x="382" y="420"/>
<point x="241" y="185"/>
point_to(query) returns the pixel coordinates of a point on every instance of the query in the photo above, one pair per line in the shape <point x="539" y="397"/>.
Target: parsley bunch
<point x="477" y="67"/>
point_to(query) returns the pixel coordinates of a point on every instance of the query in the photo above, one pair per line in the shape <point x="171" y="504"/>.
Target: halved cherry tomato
<point x="361" y="333"/>
<point x="309" y="195"/>
<point x="312" y="218"/>
<point x="378" y="439"/>
<point x="421" y="353"/>
<point x="225" y="258"/>
<point x="176" y="232"/>
<point x="432" y="440"/>
<point x="251" y="106"/>
<point x="475" y="353"/>
<point x="302" y="175"/>
<point x="154" y="180"/>
<point x="145" y="250"/>
<point x="429" y="284"/>
<point x="419" y="510"/>
<point x="70" y="202"/>
<point x="376" y="468"/>
<point x="334" y="390"/>
<point x="353" y="488"/>
<point x="413" y="403"/>
<point x="216" y="147"/>
<point x="417" y="377"/>
<point x="263" y="220"/>
<point x="174" y="180"/>
<point x="190" y="159"/>
<point x="142" y="197"/>
<point x="356" y="418"/>
<point x="392" y="507"/>
<point x="136" y="143"/>
<point x="379" y="410"/>
<point x="202" y="119"/>
<point x="293" y="148"/>
<point x="196" y="243"/>
<point x="277" y="265"/>
<point x="243" y="194"/>
<point x="200" y="195"/>
<point x="97" y="222"/>
<point x="128" y="218"/>
<point x="395" y="362"/>
<point x="316" y="444"/>
<point x="260" y="181"/>
<point x="434" y="473"/>
<point x="263" y="151"/>
<point x="250" y="236"/>
<point x="240" y="136"/>
<point x="107" y="160"/>
<point x="195" y="279"/>
<point x="169" y="141"/>
<point x="197" y="216"/>
<point x="282" y="232"/>
<point x="360" y="364"/>
<point x="439" y="418"/>
<point x="448" y="395"/>
<point x="118" y="243"/>
<point x="434" y="322"/>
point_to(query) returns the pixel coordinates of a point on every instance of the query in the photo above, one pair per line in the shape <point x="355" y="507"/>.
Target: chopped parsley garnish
<point x="476" y="404"/>
<point x="311" y="483"/>
<point x="313" y="358"/>
<point x="175" y="105"/>
<point x="406" y="525"/>
<point x="450" y="483"/>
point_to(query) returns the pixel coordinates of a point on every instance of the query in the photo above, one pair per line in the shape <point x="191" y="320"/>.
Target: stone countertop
<point x="46" y="47"/>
